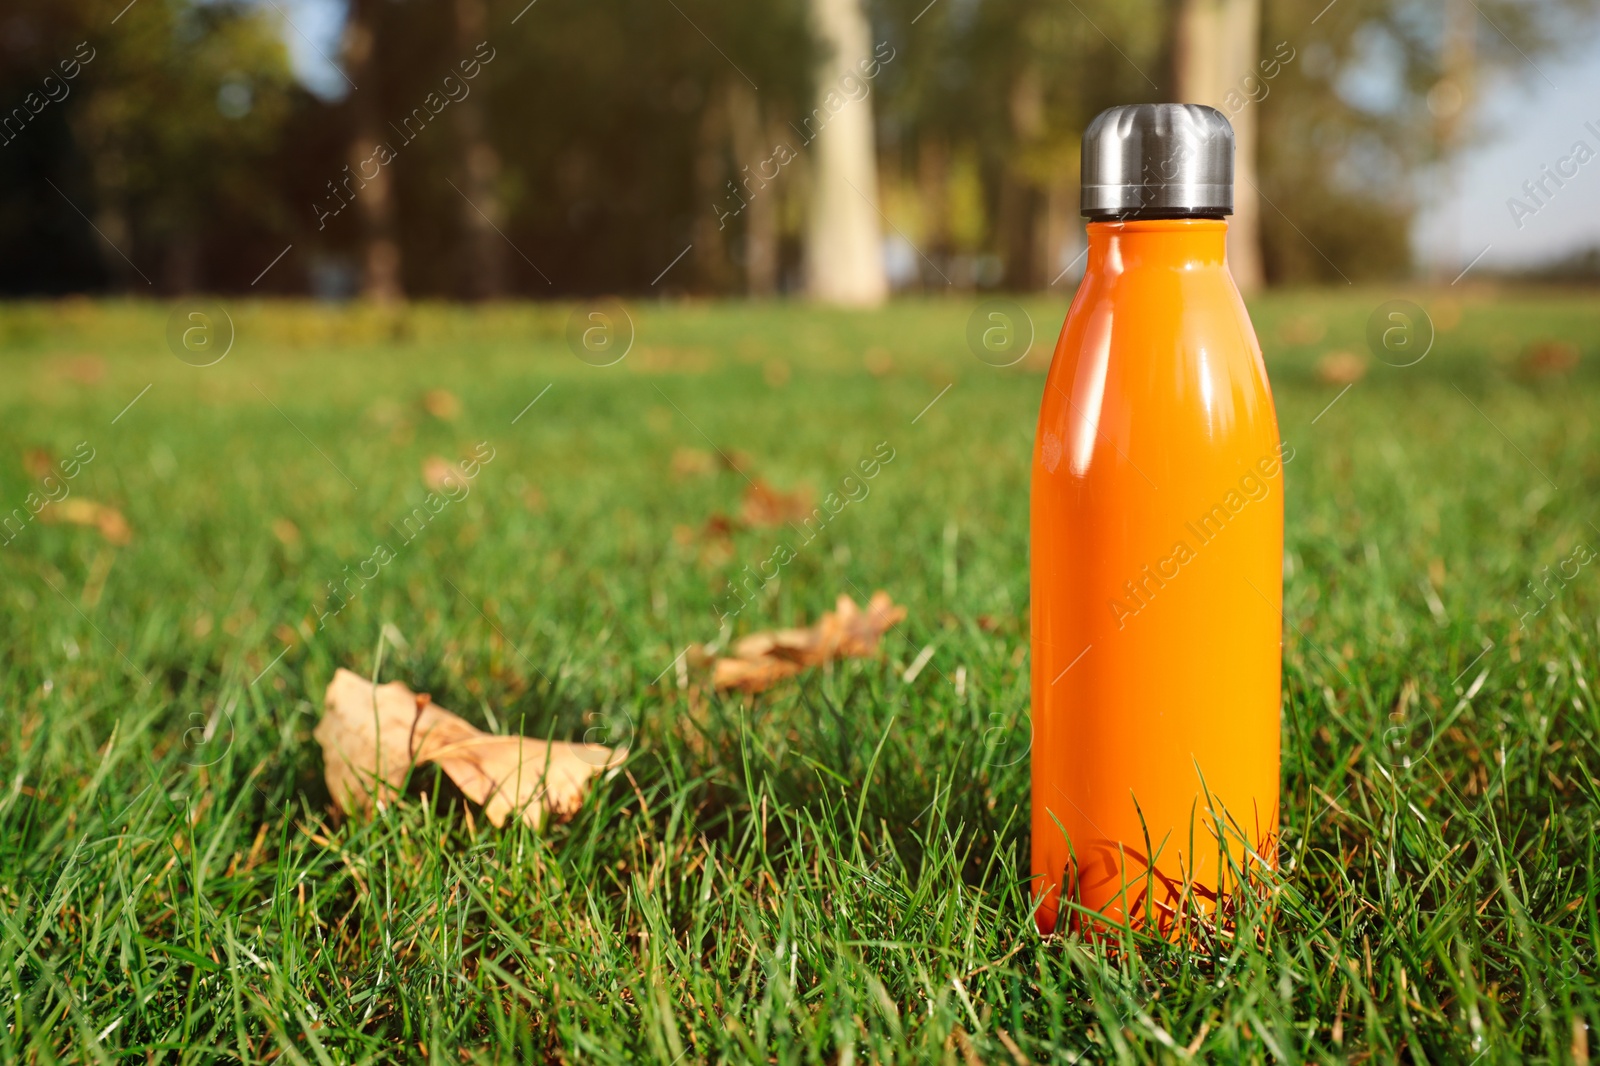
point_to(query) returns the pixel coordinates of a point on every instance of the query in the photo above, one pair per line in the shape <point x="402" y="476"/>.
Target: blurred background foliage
<point x="602" y="140"/>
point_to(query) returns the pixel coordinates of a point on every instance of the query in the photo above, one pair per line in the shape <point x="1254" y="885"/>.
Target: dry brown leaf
<point x="1341" y="368"/>
<point x="736" y="461"/>
<point x="712" y="543"/>
<point x="878" y="361"/>
<point x="692" y="462"/>
<point x="371" y="736"/>
<point x="1445" y="313"/>
<point x="766" y="507"/>
<point x="39" y="463"/>
<point x="84" y="369"/>
<point x="441" y="404"/>
<point x="437" y="471"/>
<point x="81" y="512"/>
<point x="1304" y="329"/>
<point x="718" y="527"/>
<point x="751" y="675"/>
<point x="762" y="659"/>
<point x="1548" y="358"/>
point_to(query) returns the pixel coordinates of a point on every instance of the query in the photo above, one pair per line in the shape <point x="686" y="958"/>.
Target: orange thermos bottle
<point x="1156" y="550"/>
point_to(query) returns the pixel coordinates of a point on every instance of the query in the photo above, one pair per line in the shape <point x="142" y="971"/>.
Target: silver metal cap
<point x="1158" y="161"/>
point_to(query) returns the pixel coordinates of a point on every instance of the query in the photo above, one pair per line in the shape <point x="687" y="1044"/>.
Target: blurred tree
<point x="381" y="259"/>
<point x="665" y="145"/>
<point x="155" y="143"/>
<point x="633" y="157"/>
<point x="483" y="265"/>
<point x="844" y="237"/>
<point x="1215" y="53"/>
<point x="755" y="147"/>
<point x="1450" y="100"/>
<point x="1337" y="161"/>
<point x="1022" y="187"/>
<point x="1349" y="127"/>
<point x="1012" y="84"/>
<point x="712" y="267"/>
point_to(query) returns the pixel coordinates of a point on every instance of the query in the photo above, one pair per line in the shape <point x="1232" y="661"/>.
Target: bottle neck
<point x="1171" y="243"/>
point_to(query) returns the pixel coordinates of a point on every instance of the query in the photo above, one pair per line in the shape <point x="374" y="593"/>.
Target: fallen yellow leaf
<point x="85" y="369"/>
<point x="437" y="472"/>
<point x="1341" y="368"/>
<point x="81" y="512"/>
<point x="762" y="659"/>
<point x="1548" y="358"/>
<point x="692" y="462"/>
<point x="372" y="735"/>
<point x="39" y="463"/>
<point x="765" y="506"/>
<point x="441" y="404"/>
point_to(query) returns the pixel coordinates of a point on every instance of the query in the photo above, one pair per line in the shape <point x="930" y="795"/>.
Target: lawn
<point x="833" y="870"/>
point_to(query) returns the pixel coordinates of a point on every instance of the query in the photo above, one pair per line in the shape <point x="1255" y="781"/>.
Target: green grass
<point x="833" y="871"/>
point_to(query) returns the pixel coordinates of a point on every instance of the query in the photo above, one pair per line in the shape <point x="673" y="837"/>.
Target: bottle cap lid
<point x="1157" y="161"/>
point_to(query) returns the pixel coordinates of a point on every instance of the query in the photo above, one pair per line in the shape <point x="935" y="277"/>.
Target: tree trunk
<point x="481" y="213"/>
<point x="1063" y="232"/>
<point x="181" y="269"/>
<point x="1022" y="201"/>
<point x="844" y="236"/>
<point x="753" y="155"/>
<point x="380" y="276"/>
<point x="933" y="192"/>
<point x="1217" y="47"/>
<point x="1019" y="245"/>
<point x="724" y="202"/>
<point x="1451" y="99"/>
<point x="109" y="167"/>
<point x="1450" y="102"/>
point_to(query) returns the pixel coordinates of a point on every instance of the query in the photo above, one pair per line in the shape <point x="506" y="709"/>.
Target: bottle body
<point x="1157" y="587"/>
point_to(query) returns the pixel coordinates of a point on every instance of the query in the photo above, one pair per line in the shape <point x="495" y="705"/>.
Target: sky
<point x="1526" y="124"/>
<point x="311" y="29"/>
<point x="1530" y="117"/>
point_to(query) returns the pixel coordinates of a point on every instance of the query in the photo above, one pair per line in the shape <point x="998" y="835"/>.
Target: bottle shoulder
<point x="1153" y="361"/>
